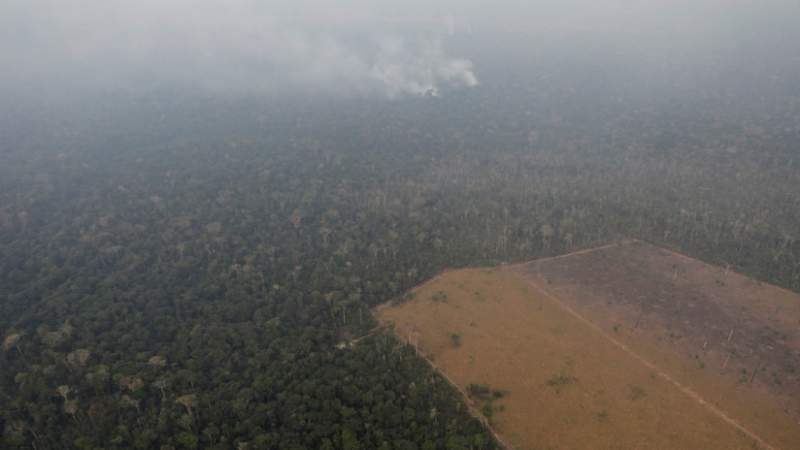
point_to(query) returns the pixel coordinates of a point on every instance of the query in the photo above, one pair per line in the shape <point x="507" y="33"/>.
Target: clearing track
<point x="623" y="346"/>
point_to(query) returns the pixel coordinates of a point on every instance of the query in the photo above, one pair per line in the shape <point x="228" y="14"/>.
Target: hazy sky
<point x="359" y="47"/>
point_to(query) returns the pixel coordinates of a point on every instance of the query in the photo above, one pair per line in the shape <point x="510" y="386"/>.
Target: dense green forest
<point x="180" y="272"/>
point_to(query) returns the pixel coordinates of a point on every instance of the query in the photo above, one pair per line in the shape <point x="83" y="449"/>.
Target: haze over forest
<point x="202" y="201"/>
<point x="361" y="48"/>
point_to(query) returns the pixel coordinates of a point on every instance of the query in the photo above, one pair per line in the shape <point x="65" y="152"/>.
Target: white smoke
<point x="233" y="45"/>
<point x="419" y="71"/>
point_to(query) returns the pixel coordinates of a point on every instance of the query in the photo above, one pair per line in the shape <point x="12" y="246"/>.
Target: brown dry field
<point x="628" y="346"/>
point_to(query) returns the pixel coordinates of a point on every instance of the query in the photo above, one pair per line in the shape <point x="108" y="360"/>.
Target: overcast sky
<point x="359" y="47"/>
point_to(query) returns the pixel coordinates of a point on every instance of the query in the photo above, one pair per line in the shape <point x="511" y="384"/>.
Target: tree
<point x="187" y="440"/>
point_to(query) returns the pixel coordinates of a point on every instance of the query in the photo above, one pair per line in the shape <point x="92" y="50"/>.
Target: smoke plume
<point x="236" y="45"/>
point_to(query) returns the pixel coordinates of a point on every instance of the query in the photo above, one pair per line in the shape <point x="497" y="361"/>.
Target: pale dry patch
<point x="590" y="374"/>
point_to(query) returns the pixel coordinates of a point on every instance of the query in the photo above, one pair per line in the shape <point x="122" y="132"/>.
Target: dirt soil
<point x="628" y="346"/>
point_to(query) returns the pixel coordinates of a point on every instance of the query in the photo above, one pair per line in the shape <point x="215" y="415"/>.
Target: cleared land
<point x="627" y="346"/>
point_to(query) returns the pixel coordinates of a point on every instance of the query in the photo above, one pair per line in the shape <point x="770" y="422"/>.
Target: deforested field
<point x="624" y="346"/>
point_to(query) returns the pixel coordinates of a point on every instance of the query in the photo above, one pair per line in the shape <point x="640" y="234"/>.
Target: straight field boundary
<point x="681" y="387"/>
